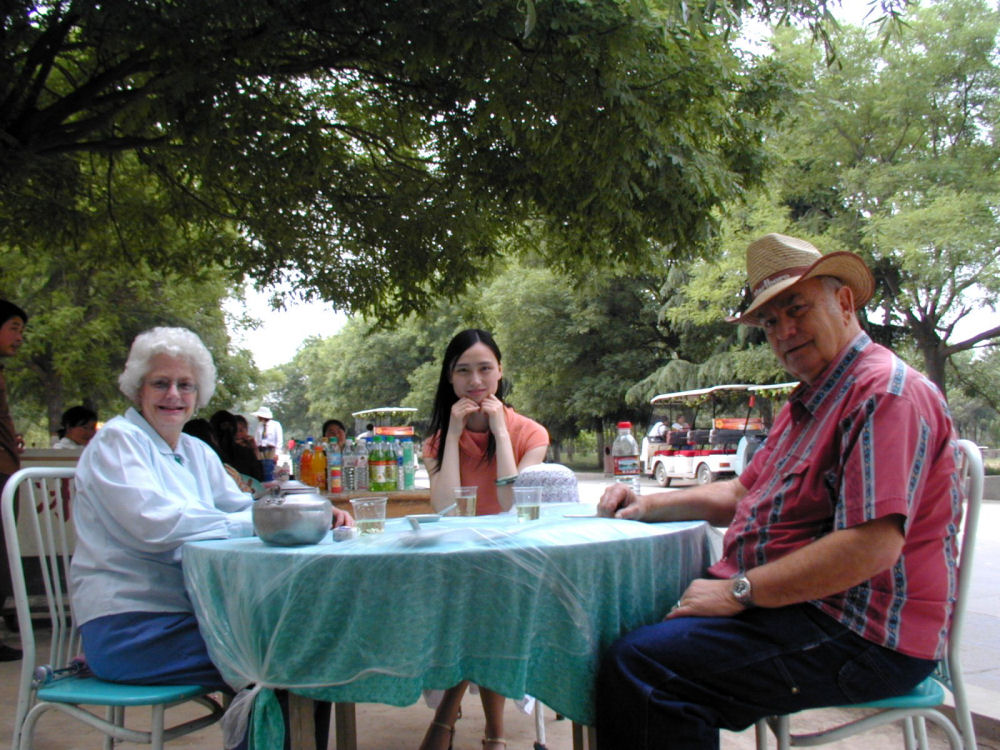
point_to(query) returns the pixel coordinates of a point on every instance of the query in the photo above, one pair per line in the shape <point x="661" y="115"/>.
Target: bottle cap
<point x="624" y="425"/>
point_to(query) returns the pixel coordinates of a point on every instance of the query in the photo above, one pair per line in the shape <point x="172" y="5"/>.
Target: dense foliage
<point x="381" y="152"/>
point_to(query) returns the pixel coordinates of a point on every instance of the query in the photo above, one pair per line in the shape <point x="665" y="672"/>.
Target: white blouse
<point x="137" y="501"/>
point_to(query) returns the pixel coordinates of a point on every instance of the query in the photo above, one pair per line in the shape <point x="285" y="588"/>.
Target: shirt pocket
<point x="800" y="495"/>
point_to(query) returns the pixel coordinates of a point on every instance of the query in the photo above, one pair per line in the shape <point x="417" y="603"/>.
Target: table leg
<point x="346" y="728"/>
<point x="584" y="737"/>
<point x="301" y="722"/>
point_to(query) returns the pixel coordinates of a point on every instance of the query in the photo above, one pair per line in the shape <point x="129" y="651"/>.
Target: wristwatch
<point x="742" y="591"/>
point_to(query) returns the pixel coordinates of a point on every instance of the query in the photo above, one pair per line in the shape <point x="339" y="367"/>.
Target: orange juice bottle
<point x="319" y="466"/>
<point x="305" y="464"/>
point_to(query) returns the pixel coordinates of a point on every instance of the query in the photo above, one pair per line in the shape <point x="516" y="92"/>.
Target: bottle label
<point x="626" y="465"/>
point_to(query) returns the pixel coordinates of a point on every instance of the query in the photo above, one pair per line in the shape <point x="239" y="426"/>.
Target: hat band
<point x="777" y="278"/>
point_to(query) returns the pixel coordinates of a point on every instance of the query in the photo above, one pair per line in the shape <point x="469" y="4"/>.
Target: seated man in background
<point x="837" y="578"/>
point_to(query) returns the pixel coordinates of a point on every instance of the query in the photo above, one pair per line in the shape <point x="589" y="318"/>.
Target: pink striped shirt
<point x="871" y="438"/>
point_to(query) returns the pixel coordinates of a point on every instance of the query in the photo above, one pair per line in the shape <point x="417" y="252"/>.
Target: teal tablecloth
<point x="518" y="608"/>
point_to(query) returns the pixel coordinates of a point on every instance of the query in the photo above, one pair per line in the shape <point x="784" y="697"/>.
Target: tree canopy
<point x="894" y="153"/>
<point x="379" y="151"/>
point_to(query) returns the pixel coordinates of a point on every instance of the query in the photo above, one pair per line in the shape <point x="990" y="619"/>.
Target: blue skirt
<point x="150" y="648"/>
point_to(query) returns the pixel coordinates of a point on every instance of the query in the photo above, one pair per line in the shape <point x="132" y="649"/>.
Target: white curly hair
<point x="174" y="342"/>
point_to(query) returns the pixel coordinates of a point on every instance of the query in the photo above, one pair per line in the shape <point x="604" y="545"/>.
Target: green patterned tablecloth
<point x="518" y="608"/>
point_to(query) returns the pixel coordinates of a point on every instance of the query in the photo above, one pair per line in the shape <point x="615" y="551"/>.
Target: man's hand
<point x="706" y="598"/>
<point x="618" y="501"/>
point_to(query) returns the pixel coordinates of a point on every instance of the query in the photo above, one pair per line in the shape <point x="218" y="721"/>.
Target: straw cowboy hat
<point x="263" y="413"/>
<point x="776" y="261"/>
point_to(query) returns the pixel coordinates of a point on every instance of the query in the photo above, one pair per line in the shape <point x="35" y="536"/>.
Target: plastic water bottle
<point x="334" y="467"/>
<point x="625" y="457"/>
<point x="361" y="465"/>
<point x="296" y="454"/>
<point x="409" y="466"/>
<point x="350" y="480"/>
<point x="397" y="451"/>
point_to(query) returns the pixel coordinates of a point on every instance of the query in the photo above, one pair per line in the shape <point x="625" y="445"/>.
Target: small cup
<point x="369" y="514"/>
<point x="527" y="503"/>
<point x="466" y="499"/>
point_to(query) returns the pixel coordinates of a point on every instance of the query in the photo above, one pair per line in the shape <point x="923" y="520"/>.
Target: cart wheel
<point x="660" y="475"/>
<point x="704" y="474"/>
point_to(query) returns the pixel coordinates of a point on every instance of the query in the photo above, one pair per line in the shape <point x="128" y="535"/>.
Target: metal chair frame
<point x="43" y="519"/>
<point x="922" y="703"/>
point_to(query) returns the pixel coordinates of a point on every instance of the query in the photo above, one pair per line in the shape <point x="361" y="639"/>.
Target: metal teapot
<point x="291" y="513"/>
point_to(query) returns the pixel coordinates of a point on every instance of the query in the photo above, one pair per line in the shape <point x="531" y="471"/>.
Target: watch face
<point x="741" y="590"/>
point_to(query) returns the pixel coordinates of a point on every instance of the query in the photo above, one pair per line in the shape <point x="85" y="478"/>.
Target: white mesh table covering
<point x="519" y="608"/>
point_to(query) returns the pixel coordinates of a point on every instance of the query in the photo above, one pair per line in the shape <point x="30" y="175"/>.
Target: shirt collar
<point x="135" y="417"/>
<point x="811" y="397"/>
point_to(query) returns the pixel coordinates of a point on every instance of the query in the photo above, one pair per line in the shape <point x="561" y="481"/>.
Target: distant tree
<point x="894" y="153"/>
<point x="86" y="303"/>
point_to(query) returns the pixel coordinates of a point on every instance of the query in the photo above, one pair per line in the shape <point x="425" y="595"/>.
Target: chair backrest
<point x="971" y="474"/>
<point x="558" y="482"/>
<point x="36" y="504"/>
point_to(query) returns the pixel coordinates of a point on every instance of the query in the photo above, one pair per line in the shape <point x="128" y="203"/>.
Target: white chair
<point x="53" y="683"/>
<point x="558" y="482"/>
<point x="922" y="703"/>
<point x="559" y="485"/>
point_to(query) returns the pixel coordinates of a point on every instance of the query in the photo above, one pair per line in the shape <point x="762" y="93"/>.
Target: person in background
<point x="680" y="424"/>
<point x="144" y="488"/>
<point x="235" y="452"/>
<point x="475" y="439"/>
<point x="369" y="432"/>
<point x="243" y="436"/>
<point x="335" y="428"/>
<point x="76" y="427"/>
<point x="12" y="322"/>
<point x="269" y="435"/>
<point x="837" y="577"/>
<point x="202" y="429"/>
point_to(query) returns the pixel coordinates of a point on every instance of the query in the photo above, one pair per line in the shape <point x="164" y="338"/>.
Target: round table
<point x="521" y="608"/>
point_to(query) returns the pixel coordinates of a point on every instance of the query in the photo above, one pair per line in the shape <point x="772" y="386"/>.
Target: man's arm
<point x="715" y="503"/>
<point x="831" y="564"/>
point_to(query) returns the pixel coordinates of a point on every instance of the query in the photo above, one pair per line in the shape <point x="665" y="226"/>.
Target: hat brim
<point x="847" y="267"/>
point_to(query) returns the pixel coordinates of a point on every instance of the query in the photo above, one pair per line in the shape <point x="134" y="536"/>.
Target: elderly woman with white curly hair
<point x="143" y="489"/>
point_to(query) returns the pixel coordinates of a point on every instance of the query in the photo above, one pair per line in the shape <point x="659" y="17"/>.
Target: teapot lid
<point x="286" y="487"/>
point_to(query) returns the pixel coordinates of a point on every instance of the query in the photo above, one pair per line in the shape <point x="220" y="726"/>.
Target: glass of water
<point x="369" y="514"/>
<point x="527" y="501"/>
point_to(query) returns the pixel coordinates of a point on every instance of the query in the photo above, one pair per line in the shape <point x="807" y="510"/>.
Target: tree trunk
<point x="602" y="447"/>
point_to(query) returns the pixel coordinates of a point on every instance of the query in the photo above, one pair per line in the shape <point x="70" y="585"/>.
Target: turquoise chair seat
<point x="91" y="691"/>
<point x="928" y="694"/>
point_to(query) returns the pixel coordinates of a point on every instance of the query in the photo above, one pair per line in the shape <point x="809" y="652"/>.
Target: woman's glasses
<point x="163" y="385"/>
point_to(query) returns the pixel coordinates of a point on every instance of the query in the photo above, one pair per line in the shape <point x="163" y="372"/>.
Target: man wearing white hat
<point x="837" y="576"/>
<point x="269" y="433"/>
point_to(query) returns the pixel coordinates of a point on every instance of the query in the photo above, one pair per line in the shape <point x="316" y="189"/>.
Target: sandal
<point x="491" y="740"/>
<point x="450" y="729"/>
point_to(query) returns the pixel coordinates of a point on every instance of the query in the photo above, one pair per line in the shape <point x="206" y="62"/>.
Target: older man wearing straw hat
<point x="838" y="565"/>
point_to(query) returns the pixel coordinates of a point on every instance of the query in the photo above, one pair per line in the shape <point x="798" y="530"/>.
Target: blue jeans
<point x="676" y="683"/>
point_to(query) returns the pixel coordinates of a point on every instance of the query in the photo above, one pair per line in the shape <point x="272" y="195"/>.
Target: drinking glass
<point x="527" y="502"/>
<point x="466" y="499"/>
<point x="369" y="514"/>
